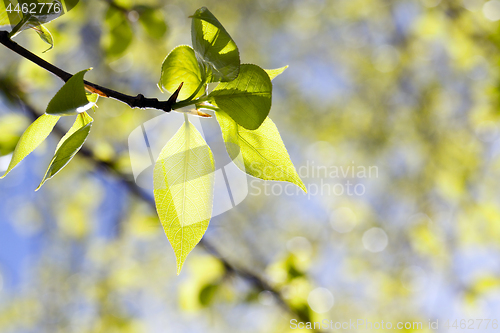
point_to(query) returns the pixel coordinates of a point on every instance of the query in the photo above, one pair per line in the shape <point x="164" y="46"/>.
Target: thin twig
<point x="138" y="101"/>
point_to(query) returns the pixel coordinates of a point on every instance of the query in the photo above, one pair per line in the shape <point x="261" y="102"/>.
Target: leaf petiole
<point x="207" y="107"/>
<point x="193" y="95"/>
<point x="188" y="102"/>
<point x="17" y="29"/>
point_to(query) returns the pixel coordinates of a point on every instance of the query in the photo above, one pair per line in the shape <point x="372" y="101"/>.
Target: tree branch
<point x="109" y="167"/>
<point x="138" y="101"/>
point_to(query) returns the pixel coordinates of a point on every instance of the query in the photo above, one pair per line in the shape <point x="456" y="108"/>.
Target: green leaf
<point x="153" y="21"/>
<point x="71" y="99"/>
<point x="183" y="190"/>
<point x="25" y="22"/>
<point x="216" y="51"/>
<point x="247" y="99"/>
<point x="92" y="98"/>
<point x="45" y="35"/>
<point x="275" y="72"/>
<point x="260" y="153"/>
<point x="68" y="146"/>
<point x="34" y="135"/>
<point x="81" y="121"/>
<point x="181" y="66"/>
<point x="120" y="34"/>
<point x="4" y="18"/>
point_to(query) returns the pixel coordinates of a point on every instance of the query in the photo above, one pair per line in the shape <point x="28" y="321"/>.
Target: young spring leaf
<point x="68" y="146"/>
<point x="71" y="99"/>
<point x="45" y="35"/>
<point x="4" y="18"/>
<point x="82" y="120"/>
<point x="247" y="99"/>
<point x="34" y="135"/>
<point x="183" y="190"/>
<point x="181" y="66"/>
<point x="92" y="98"/>
<point x="275" y="72"/>
<point x="216" y="51"/>
<point x="26" y="21"/>
<point x="263" y="154"/>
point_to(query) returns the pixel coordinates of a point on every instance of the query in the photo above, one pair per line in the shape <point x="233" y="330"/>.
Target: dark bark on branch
<point x="138" y="101"/>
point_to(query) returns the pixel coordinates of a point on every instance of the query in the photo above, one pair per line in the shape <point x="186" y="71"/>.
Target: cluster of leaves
<point x="183" y="175"/>
<point x="184" y="171"/>
<point x="70" y="100"/>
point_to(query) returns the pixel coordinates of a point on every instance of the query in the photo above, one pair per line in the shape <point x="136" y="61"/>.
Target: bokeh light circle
<point x="320" y="300"/>
<point x="375" y="240"/>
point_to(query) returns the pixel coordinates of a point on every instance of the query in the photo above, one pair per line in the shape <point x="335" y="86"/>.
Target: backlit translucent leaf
<point x="183" y="190"/>
<point x="34" y="135"/>
<point x="263" y="153"/>
<point x="68" y="146"/>
<point x="45" y="35"/>
<point x="181" y="66"/>
<point x="247" y="99"/>
<point x="71" y="99"/>
<point x="26" y="22"/>
<point x="4" y="18"/>
<point x="275" y="72"/>
<point x="92" y="98"/>
<point x="216" y="51"/>
<point x="81" y="120"/>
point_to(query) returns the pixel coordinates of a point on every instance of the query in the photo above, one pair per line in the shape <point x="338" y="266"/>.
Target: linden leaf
<point x="183" y="190"/>
<point x="45" y="35"/>
<point x="263" y="153"/>
<point x="216" y="51"/>
<point x="34" y="135"/>
<point x="247" y="99"/>
<point x="275" y="72"/>
<point x="68" y="146"/>
<point x="71" y="99"/>
<point x="181" y="66"/>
